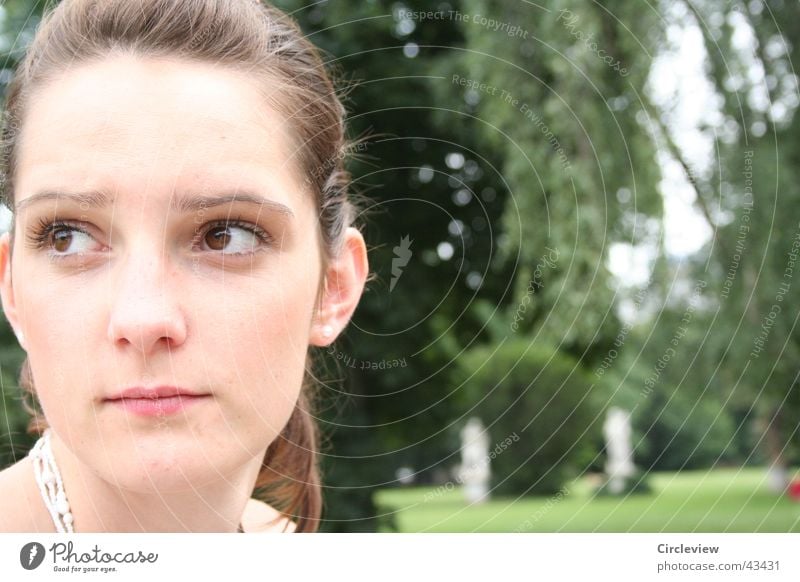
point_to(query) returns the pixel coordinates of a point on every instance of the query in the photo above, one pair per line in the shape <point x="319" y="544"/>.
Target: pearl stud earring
<point x="327" y="331"/>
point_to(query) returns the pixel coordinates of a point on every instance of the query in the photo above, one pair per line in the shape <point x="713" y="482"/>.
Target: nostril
<point x="164" y="332"/>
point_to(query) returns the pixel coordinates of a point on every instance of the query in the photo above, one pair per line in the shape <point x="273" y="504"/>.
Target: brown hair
<point x="245" y="35"/>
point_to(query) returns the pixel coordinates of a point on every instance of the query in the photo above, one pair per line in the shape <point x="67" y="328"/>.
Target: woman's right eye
<point x="61" y="238"/>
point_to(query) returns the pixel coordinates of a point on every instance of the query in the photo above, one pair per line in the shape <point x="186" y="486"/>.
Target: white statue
<point x="619" y="461"/>
<point x="777" y="478"/>
<point x="405" y="475"/>
<point x="474" y="472"/>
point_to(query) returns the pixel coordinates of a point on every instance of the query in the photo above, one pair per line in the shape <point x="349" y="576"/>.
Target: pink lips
<point x="157" y="401"/>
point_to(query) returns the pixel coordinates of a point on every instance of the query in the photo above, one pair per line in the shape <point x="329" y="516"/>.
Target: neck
<point x="100" y="506"/>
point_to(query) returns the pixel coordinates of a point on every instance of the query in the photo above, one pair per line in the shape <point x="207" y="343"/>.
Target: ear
<point x="344" y="280"/>
<point x="6" y="290"/>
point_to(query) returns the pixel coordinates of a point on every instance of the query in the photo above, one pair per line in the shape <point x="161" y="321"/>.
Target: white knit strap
<point x="51" y="486"/>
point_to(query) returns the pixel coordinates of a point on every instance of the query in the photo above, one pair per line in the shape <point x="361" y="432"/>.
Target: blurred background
<point x="584" y="223"/>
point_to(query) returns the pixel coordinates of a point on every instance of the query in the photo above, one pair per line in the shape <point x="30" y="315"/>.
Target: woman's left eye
<point x="234" y="238"/>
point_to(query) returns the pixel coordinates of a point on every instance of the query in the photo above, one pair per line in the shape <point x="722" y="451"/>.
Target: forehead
<point x="161" y="121"/>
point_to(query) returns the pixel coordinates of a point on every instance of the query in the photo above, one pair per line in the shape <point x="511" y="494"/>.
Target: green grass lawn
<point x="720" y="500"/>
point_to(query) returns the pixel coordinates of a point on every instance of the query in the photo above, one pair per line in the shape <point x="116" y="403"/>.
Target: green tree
<point x="545" y="402"/>
<point x="750" y="202"/>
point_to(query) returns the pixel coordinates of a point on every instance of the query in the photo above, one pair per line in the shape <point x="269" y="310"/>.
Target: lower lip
<point x="158" y="406"/>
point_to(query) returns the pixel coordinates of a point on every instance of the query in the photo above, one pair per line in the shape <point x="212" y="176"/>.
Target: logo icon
<point x="402" y="253"/>
<point x="31" y="555"/>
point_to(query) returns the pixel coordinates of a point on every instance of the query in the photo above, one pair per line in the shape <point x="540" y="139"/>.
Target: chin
<point x="164" y="475"/>
<point x="153" y="466"/>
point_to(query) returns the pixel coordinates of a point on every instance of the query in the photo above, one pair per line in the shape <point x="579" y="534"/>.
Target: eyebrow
<point x="181" y="203"/>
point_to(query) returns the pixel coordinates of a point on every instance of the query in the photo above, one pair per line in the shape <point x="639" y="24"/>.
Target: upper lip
<point x="153" y="392"/>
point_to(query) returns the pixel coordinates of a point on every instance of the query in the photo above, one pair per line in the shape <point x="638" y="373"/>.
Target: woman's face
<point x="141" y="283"/>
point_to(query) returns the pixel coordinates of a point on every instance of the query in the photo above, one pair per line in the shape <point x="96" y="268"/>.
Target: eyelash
<point x="39" y="237"/>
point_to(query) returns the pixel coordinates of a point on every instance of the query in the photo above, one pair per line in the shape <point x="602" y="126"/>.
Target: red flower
<point x="794" y="490"/>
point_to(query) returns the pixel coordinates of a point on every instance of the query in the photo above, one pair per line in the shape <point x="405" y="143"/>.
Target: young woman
<point x="182" y="238"/>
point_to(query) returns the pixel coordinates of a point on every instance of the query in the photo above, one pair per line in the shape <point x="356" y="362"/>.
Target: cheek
<point x="260" y="337"/>
<point x="58" y="320"/>
<point x="277" y="329"/>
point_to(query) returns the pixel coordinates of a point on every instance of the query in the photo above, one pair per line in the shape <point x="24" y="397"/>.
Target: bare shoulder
<point x="259" y="517"/>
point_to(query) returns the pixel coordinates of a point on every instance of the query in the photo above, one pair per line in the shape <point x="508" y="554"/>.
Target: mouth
<point x="158" y="401"/>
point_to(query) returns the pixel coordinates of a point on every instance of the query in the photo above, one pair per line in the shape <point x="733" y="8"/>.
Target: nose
<point x="145" y="313"/>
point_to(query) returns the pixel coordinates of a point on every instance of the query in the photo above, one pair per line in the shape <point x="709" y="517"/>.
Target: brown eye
<point x="61" y="239"/>
<point x="235" y="238"/>
<point x="218" y="238"/>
